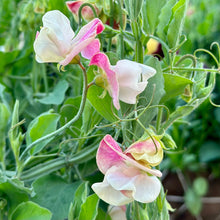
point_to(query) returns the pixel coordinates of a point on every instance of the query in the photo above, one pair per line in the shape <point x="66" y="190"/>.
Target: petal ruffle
<point x="85" y="37"/>
<point x="146" y="152"/>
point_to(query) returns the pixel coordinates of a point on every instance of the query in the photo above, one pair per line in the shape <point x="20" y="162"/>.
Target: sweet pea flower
<point x="125" y="80"/>
<point x="57" y="43"/>
<point x="128" y="175"/>
<point x="117" y="212"/>
<point x="87" y="12"/>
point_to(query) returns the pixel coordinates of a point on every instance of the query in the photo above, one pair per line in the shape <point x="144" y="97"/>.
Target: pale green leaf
<point x="42" y="125"/>
<point x="57" y="96"/>
<point x="55" y="194"/>
<point x="89" y="209"/>
<point x="174" y="85"/>
<point x="31" y="211"/>
<point x="103" y="106"/>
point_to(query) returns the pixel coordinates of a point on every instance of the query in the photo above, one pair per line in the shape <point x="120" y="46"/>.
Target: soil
<point x="210" y="211"/>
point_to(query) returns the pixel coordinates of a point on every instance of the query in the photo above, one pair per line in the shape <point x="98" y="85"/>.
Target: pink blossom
<point x="57" y="42"/>
<point x="87" y="12"/>
<point x="127" y="178"/>
<point x="125" y="80"/>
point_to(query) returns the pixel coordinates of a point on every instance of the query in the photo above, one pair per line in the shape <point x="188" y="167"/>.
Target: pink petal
<point x="102" y="61"/>
<point x="91" y="49"/>
<point x="37" y="34"/>
<point x="74" y="6"/>
<point x="108" y="154"/>
<point x="85" y="37"/>
<point x="87" y="12"/>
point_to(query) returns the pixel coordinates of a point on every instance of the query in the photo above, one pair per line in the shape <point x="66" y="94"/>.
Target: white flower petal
<point x="147" y="188"/>
<point x="147" y="72"/>
<point x="133" y="183"/>
<point x="47" y="46"/>
<point x="60" y="24"/>
<point x="108" y="194"/>
<point x="117" y="212"/>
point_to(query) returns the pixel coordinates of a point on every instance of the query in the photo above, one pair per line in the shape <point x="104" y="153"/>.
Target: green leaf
<point x="133" y="8"/>
<point x="157" y="82"/>
<point x="55" y="194"/>
<point x="14" y="192"/>
<point x="42" y="125"/>
<point x="31" y="211"/>
<point x="150" y="14"/>
<point x="102" y="215"/>
<point x="193" y="202"/>
<point x="178" y="113"/>
<point x="79" y="198"/>
<point x="164" y="19"/>
<point x="174" y="85"/>
<point x="104" y="105"/>
<point x="57" y="96"/>
<point x="90" y="118"/>
<point x="176" y="25"/>
<point x="4" y="116"/>
<point x="7" y="58"/>
<point x="200" y="186"/>
<point x="67" y="112"/>
<point x="89" y="209"/>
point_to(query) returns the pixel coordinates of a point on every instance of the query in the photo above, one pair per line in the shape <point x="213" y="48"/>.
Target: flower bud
<point x="154" y="48"/>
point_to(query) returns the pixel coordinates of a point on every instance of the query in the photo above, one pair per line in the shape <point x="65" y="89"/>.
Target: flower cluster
<point x="128" y="175"/>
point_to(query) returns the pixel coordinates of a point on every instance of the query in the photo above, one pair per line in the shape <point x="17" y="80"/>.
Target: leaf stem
<point x="193" y="69"/>
<point x="61" y="129"/>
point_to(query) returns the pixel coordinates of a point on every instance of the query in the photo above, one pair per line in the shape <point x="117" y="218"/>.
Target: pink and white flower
<point x="125" y="80"/>
<point x="56" y="41"/>
<point x="117" y="212"/>
<point x="128" y="175"/>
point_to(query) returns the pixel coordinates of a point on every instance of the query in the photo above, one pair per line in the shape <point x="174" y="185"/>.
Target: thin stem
<point x="121" y="37"/>
<point x="111" y="23"/>
<point x="159" y="118"/>
<point x="60" y="130"/>
<point x="58" y="163"/>
<point x="80" y="11"/>
<point x="193" y="69"/>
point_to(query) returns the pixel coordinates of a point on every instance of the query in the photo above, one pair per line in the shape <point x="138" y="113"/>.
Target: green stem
<point x="138" y="45"/>
<point x="159" y="118"/>
<point x="192" y="69"/>
<point x="121" y="37"/>
<point x="58" y="163"/>
<point x="60" y="130"/>
<point x="80" y="11"/>
<point x="111" y="23"/>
